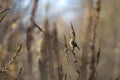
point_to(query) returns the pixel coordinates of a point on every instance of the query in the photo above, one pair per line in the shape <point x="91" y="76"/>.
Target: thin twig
<point x="2" y="19"/>
<point x="97" y="62"/>
<point x="73" y="31"/>
<point x="66" y="49"/>
<point x="14" y="57"/>
<point x="91" y="66"/>
<point x="5" y="10"/>
<point x="35" y="25"/>
<point x="3" y="71"/>
<point x="19" y="73"/>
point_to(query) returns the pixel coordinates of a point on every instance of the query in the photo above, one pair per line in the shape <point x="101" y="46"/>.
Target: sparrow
<point x="73" y="44"/>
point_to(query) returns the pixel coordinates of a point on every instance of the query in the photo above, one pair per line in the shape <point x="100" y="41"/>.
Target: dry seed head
<point x="73" y="32"/>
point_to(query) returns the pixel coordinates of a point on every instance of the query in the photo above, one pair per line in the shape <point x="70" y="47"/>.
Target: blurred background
<point x="55" y="17"/>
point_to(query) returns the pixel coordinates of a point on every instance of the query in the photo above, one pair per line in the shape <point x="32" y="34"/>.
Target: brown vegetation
<point x="50" y="56"/>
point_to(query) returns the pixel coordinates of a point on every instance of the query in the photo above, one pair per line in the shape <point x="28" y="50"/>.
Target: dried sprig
<point x="5" y="10"/>
<point x="2" y="19"/>
<point x="96" y="15"/>
<point x="66" y="51"/>
<point x="65" y="45"/>
<point x="98" y="55"/>
<point x="86" y="37"/>
<point x="73" y="43"/>
<point x="3" y="74"/>
<point x="3" y="71"/>
<point x="91" y="66"/>
<point x="11" y="61"/>
<point x="35" y="25"/>
<point x="73" y="32"/>
<point x="30" y="38"/>
<point x="97" y="62"/>
<point x="19" y="73"/>
<point x="60" y="71"/>
<point x="77" y="65"/>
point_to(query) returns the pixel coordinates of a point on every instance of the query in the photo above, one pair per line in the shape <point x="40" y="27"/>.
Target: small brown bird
<point x="73" y="44"/>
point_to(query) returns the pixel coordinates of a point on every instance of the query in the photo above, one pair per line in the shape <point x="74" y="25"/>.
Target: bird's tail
<point x="78" y="47"/>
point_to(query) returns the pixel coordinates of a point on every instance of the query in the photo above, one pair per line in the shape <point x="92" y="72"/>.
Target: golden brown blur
<point x="59" y="40"/>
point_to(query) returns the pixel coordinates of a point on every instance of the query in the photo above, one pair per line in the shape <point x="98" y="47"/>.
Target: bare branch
<point x="2" y="19"/>
<point x="35" y="25"/>
<point x="5" y="10"/>
<point x="14" y="57"/>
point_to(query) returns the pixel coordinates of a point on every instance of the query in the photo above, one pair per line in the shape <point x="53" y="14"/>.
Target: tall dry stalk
<point x="56" y="53"/>
<point x="43" y="61"/>
<point x="4" y="71"/>
<point x="86" y="38"/>
<point x="50" y="56"/>
<point x="30" y="39"/>
<point x="97" y="62"/>
<point x="19" y="73"/>
<point x="76" y="61"/>
<point x="91" y="55"/>
<point x="66" y="54"/>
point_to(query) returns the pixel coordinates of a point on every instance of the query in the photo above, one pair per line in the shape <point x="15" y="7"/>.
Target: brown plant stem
<point x="86" y="38"/>
<point x="91" y="57"/>
<point x="30" y="39"/>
